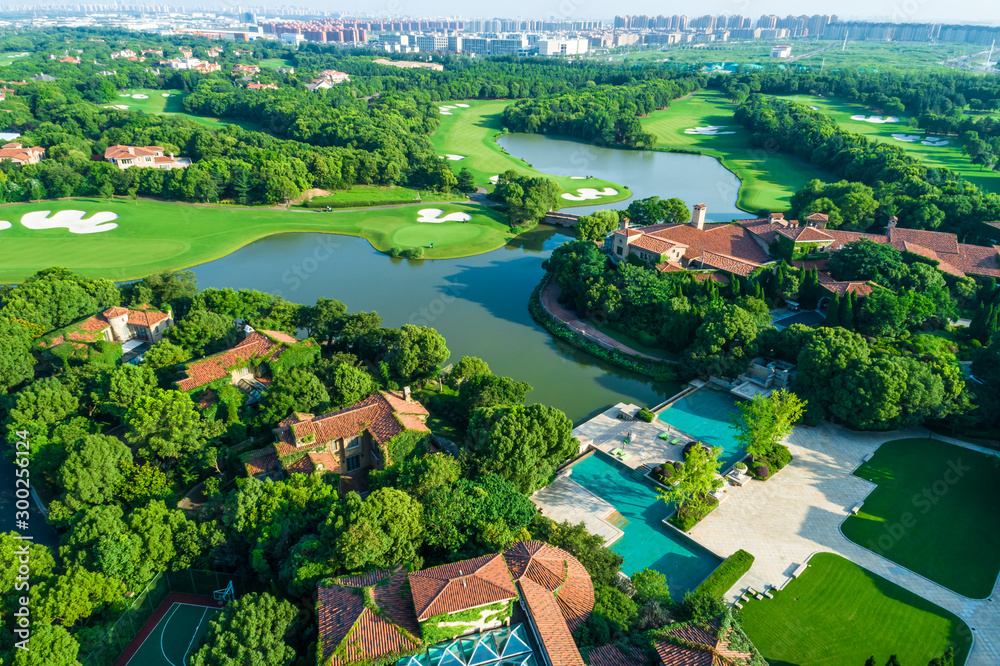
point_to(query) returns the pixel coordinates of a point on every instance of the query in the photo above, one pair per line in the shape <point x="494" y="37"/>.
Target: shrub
<point x="761" y="471"/>
<point x="413" y="252"/>
<point x="667" y="473"/>
<point x="782" y="456"/>
<point x="395" y="252"/>
<point x="692" y="512"/>
<point x="645" y="415"/>
<point x="700" y="608"/>
<point x="727" y="574"/>
<point x="678" y="465"/>
<point x="741" y="466"/>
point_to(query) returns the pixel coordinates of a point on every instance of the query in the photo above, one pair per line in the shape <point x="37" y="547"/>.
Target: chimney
<point x="892" y="222"/>
<point x="623" y="224"/>
<point x="406" y="394"/>
<point x="777" y="218"/>
<point x="698" y="216"/>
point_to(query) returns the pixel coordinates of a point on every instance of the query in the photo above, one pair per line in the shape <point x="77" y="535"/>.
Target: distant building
<point x="285" y="70"/>
<point x="410" y="64"/>
<point x="125" y="157"/>
<point x="781" y="51"/>
<point x="558" y="47"/>
<point x="333" y="76"/>
<point x="136" y="329"/>
<point x="193" y="64"/>
<point x="246" y="69"/>
<point x="43" y="78"/>
<point x="261" y="86"/>
<point x="18" y="154"/>
<point x="124" y="53"/>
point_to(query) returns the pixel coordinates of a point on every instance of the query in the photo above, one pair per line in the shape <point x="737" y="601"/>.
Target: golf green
<point x="470" y="132"/>
<point x="704" y="122"/>
<point x="154" y="236"/>
<point x="839" y="614"/>
<point x="154" y="103"/>
<point x="935" y="512"/>
<point x="949" y="155"/>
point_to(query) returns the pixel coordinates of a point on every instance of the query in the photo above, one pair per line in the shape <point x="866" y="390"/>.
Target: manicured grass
<point x="839" y="614"/>
<point x="950" y="156"/>
<point x="9" y="57"/>
<point x="155" y="236"/>
<point x="389" y="194"/>
<point x="273" y="63"/>
<point x="472" y="133"/>
<point x="935" y="512"/>
<point x="156" y="104"/>
<point x="769" y="179"/>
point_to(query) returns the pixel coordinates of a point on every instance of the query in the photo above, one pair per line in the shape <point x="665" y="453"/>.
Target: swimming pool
<point x="646" y="542"/>
<point x="704" y="414"/>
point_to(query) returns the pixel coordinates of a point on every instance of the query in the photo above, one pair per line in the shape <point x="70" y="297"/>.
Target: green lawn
<point x="156" y="104"/>
<point x="388" y="194"/>
<point x="949" y="156"/>
<point x="838" y="614"/>
<point x="936" y="511"/>
<point x="8" y="57"/>
<point x="273" y="63"/>
<point x="769" y="179"/>
<point x="471" y="133"/>
<point x="155" y="236"/>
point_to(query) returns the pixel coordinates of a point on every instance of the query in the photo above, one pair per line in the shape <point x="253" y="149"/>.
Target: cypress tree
<point x="833" y="311"/>
<point x="736" y="286"/>
<point x="847" y="311"/>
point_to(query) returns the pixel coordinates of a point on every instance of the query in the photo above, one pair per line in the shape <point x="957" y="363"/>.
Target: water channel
<point x="479" y="303"/>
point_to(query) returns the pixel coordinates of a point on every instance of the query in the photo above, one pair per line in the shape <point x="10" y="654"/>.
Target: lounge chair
<point x="664" y="435"/>
<point x="675" y="440"/>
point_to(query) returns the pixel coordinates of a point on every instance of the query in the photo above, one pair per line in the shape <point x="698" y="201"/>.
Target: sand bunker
<point x="453" y="158"/>
<point x="934" y="141"/>
<point x="125" y="95"/>
<point x="494" y="179"/>
<point x="908" y="138"/>
<point x="589" y="193"/>
<point x="876" y="119"/>
<point x="116" y="106"/>
<point x="578" y="177"/>
<point x="710" y="130"/>
<point x="140" y="96"/>
<point x="4" y="224"/>
<point x="70" y="219"/>
<point x="446" y="113"/>
<point x="462" y="106"/>
<point x="433" y="215"/>
<point x="165" y="95"/>
<point x="814" y="108"/>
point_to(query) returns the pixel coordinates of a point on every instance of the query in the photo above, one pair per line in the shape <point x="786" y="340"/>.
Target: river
<point x="479" y="304"/>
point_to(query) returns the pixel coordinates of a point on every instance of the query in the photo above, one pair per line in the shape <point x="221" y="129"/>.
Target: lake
<point x="480" y="304"/>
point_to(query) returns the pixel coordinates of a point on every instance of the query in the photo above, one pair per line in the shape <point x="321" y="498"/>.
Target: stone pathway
<point x="606" y="433"/>
<point x="784" y="521"/>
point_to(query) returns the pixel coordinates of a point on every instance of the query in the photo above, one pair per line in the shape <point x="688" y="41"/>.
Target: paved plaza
<point x="564" y="499"/>
<point x="606" y="433"/>
<point x="799" y="511"/>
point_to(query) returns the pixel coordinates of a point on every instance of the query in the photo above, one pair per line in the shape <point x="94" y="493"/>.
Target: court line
<point x="194" y="636"/>
<point x="147" y="638"/>
<point x="163" y="630"/>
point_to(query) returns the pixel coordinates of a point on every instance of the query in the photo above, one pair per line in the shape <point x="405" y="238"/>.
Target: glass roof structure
<point x="506" y="646"/>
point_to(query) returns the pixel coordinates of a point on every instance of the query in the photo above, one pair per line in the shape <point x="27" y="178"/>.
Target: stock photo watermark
<point x="22" y="521"/>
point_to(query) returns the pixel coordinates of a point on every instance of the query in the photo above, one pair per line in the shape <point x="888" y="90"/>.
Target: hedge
<point x="727" y="574"/>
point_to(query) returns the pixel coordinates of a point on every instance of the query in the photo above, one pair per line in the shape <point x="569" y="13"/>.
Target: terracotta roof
<point x="558" y="572"/>
<point x="654" y="244"/>
<point x="115" y="312"/>
<point x="937" y="241"/>
<point x="556" y="639"/>
<point x="145" y="315"/>
<point x="261" y="461"/>
<point x="118" y="152"/>
<point x="978" y="260"/>
<point x="315" y="461"/>
<point x="377" y="414"/>
<point x="669" y="267"/>
<point x="805" y="234"/>
<point x="766" y="231"/>
<point x="628" y="232"/>
<point x="714" y="651"/>
<point x="20" y="153"/>
<point x="614" y="655"/>
<point x="729" y="264"/>
<point x="834" y="286"/>
<point x="731" y="240"/>
<point x="818" y="217"/>
<point x="842" y="238"/>
<point x="462" y="585"/>
<point x="363" y="633"/>
<point x="256" y="346"/>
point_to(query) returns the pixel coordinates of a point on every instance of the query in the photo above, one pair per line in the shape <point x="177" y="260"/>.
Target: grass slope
<point x="950" y="156"/>
<point x="157" y="104"/>
<point x="838" y="614"/>
<point x="273" y="63"/>
<point x="156" y="236"/>
<point x="472" y="133"/>
<point x="934" y="512"/>
<point x="769" y="179"/>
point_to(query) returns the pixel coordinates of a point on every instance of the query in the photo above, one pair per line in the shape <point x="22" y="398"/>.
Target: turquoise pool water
<point x="647" y="543"/>
<point x="704" y="414"/>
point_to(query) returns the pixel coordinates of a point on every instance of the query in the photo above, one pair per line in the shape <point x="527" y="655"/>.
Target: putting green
<point x="471" y="132"/>
<point x="949" y="156"/>
<point x="154" y="236"/>
<point x="768" y="179"/>
<point x="156" y="104"/>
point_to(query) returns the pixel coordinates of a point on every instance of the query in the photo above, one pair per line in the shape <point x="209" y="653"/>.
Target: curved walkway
<point x="784" y="521"/>
<point x="550" y="301"/>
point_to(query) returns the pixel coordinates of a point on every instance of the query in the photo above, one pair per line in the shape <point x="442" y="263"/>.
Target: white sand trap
<point x="140" y="96"/>
<point x="588" y="193"/>
<point x="125" y="95"/>
<point x="165" y="95"/>
<point x="814" y="108"/>
<point x="934" y="141"/>
<point x="446" y="113"/>
<point x="908" y="138"/>
<point x="578" y="177"/>
<point x="446" y="107"/>
<point x="4" y="224"/>
<point x="878" y="120"/>
<point x="70" y="219"/>
<point x="433" y="215"/>
<point x="453" y="158"/>
<point x="462" y="106"/>
<point x="494" y="179"/>
<point x="116" y="106"/>
<point x="710" y="130"/>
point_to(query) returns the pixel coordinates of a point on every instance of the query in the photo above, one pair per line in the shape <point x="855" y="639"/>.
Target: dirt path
<point x="550" y="301"/>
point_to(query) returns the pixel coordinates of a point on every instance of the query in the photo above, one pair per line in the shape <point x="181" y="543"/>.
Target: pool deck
<point x="565" y="499"/>
<point x="605" y="432"/>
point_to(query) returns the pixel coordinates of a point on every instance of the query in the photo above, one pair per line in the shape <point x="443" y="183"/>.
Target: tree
<point x="350" y="385"/>
<point x="521" y="444"/>
<point x="882" y="314"/>
<point x="17" y="365"/>
<point x="725" y="342"/>
<point x="295" y="390"/>
<point x="165" y="354"/>
<point x="39" y="408"/>
<point x="125" y="385"/>
<point x="650" y="585"/>
<point x="698" y="476"/>
<point x="833" y="311"/>
<point x="325" y="320"/>
<point x="91" y="473"/>
<point x="384" y="530"/>
<point x="597" y="225"/>
<point x="467" y="366"/>
<point x="465" y="181"/>
<point x="251" y="630"/>
<point x="866" y="260"/>
<point x="74" y="595"/>
<point x="167" y="424"/>
<point x="654" y="210"/>
<point x="487" y="390"/>
<point x="416" y="353"/>
<point x="202" y="330"/>
<point x="51" y="645"/>
<point x="762" y="423"/>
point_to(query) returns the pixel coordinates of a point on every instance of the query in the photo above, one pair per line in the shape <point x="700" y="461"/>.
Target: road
<point x="40" y="530"/>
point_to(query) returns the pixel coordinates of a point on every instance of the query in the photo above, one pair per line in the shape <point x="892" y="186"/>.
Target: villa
<point x="261" y="86"/>
<point x="391" y="613"/>
<point x="193" y="64"/>
<point x="135" y="329"/>
<point x="125" y="157"/>
<point x="246" y="69"/>
<point x="742" y="247"/>
<point x="318" y="84"/>
<point x="18" y="154"/>
<point x="349" y="441"/>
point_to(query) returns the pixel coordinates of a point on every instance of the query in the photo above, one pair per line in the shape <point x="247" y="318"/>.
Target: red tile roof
<point x="654" y="244"/>
<point x="462" y="585"/>
<point x="556" y="639"/>
<point x="728" y="264"/>
<point x="261" y="461"/>
<point x="978" y="260"/>
<point x="145" y="315"/>
<point x="255" y="348"/>
<point x="119" y="152"/>
<point x="938" y="241"/>
<point x="697" y="646"/>
<point x="731" y="240"/>
<point x="838" y="287"/>
<point x="805" y="234"/>
<point x="614" y="655"/>
<point x="360" y="632"/>
<point x="558" y="572"/>
<point x="766" y="231"/>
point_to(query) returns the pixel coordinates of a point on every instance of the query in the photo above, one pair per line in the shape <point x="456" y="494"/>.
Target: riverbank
<point x="601" y="345"/>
